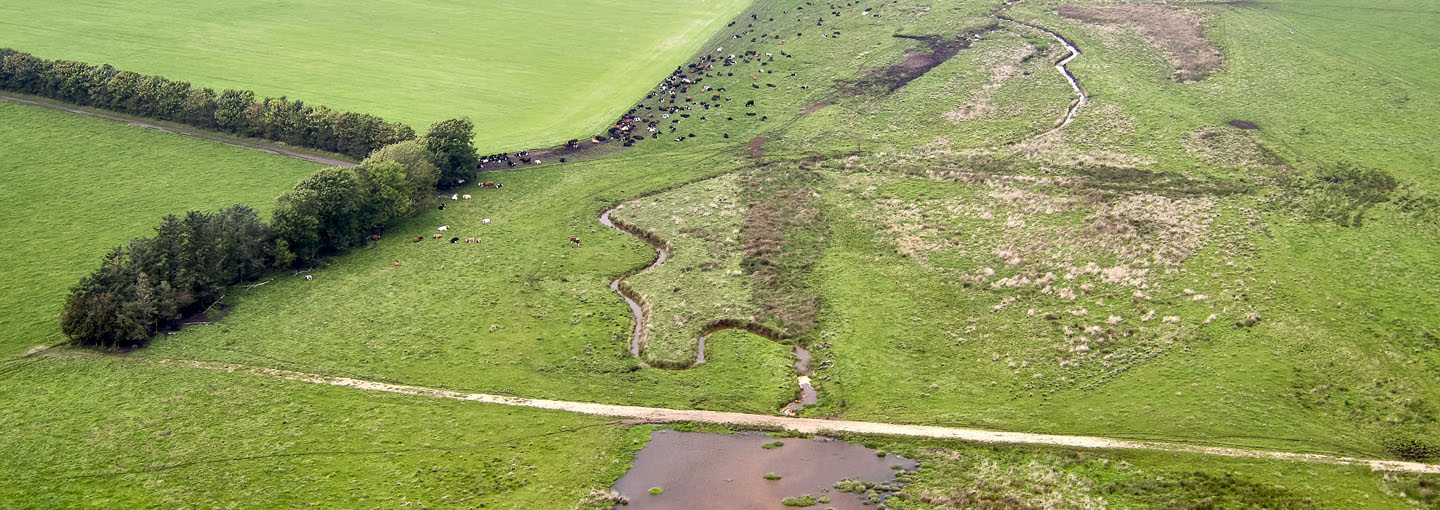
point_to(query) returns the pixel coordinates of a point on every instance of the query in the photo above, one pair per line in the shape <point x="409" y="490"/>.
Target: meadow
<point x="118" y="182"/>
<point x="1197" y="258"/>
<point x="142" y="435"/>
<point x="531" y="75"/>
<point x="933" y="311"/>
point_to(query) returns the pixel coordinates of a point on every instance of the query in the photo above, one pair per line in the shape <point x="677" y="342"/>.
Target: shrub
<point x="655" y="491"/>
<point x="803" y="500"/>
<point x="772" y="476"/>
<point x="1411" y="447"/>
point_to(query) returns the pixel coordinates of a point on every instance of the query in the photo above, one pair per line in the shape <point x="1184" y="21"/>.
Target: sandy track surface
<point x="190" y="133"/>
<point x="809" y="425"/>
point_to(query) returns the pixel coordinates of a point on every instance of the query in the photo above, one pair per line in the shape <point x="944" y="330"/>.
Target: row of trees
<point x="150" y="282"/>
<point x="230" y="111"/>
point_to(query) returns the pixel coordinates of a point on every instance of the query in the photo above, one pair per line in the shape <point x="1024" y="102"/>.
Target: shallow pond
<point x="727" y="471"/>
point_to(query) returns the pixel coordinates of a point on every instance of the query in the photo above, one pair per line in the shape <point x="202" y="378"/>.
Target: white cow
<point x="443" y="228"/>
<point x="455" y="197"/>
<point x="466" y="197"/>
<point x="485" y="221"/>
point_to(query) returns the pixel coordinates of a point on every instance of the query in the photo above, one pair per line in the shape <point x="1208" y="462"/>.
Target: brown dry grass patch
<point x="1179" y="33"/>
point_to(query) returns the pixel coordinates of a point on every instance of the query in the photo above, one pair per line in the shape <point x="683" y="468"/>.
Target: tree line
<point x="149" y="283"/>
<point x="229" y="111"/>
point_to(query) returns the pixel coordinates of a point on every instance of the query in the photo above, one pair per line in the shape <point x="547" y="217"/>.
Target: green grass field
<point x="140" y="435"/>
<point x="529" y="75"/>
<point x="77" y="186"/>
<point x="1148" y="271"/>
<point x="910" y="339"/>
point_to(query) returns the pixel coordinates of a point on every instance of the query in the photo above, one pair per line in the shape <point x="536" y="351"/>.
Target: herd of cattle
<point x="671" y="102"/>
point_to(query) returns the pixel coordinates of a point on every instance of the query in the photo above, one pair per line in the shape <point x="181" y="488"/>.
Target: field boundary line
<point x="811" y="425"/>
<point x="197" y="134"/>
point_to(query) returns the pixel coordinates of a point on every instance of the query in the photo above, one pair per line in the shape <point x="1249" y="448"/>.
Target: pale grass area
<point x="1177" y="33"/>
<point x="702" y="280"/>
<point x="1003" y="56"/>
<point x="1039" y="484"/>
<point x="1101" y="124"/>
<point x="1065" y="248"/>
<point x="1230" y="147"/>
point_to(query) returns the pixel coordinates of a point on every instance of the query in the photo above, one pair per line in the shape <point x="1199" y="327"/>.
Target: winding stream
<point x="807" y="394"/>
<point x="1060" y="65"/>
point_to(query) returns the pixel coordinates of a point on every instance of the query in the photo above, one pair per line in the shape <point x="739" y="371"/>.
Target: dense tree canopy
<point x="231" y="111"/>
<point x="151" y="281"/>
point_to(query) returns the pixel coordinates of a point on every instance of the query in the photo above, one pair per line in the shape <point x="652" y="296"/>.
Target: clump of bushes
<point x="229" y="111"/>
<point x="772" y="476"/>
<point x="1341" y="193"/>
<point x="1411" y="447"/>
<point x="149" y="283"/>
<point x="803" y="500"/>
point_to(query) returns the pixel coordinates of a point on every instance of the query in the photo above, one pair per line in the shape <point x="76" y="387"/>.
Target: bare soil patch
<point x="1179" y="33"/>
<point x="752" y="148"/>
<point x="1243" y="124"/>
<point x="813" y="108"/>
<point x="916" y="64"/>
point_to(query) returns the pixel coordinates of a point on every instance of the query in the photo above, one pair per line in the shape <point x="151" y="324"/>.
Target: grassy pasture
<point x="134" y="434"/>
<point x="77" y="186"/>
<point x="531" y="74"/>
<point x="524" y="314"/>
<point x="521" y="313"/>
<point x="917" y="329"/>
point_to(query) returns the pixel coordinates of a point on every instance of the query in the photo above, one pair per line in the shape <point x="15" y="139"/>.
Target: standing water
<point x="727" y="471"/>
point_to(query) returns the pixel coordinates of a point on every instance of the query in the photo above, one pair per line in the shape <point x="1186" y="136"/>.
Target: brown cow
<point x="397" y="263"/>
<point x="416" y="240"/>
<point x="575" y="240"/>
<point x="437" y="236"/>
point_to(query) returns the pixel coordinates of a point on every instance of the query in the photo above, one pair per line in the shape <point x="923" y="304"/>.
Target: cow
<point x="574" y="241"/>
<point x="308" y="277"/>
<point x="466" y="197"/>
<point x="443" y="228"/>
<point x="416" y="240"/>
<point x="454" y="197"/>
<point x="490" y="184"/>
<point x="397" y="263"/>
<point x="454" y="240"/>
<point x="485" y="221"/>
<point x="437" y="236"/>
